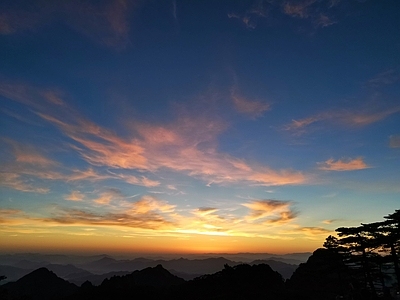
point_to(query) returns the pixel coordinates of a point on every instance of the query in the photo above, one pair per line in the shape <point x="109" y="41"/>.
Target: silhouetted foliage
<point x="360" y="250"/>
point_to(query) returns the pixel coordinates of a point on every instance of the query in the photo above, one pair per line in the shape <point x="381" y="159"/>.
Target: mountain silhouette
<point x="286" y="270"/>
<point x="149" y="283"/>
<point x="323" y="276"/>
<point x="40" y="284"/>
<point x="156" y="277"/>
<point x="95" y="279"/>
<point x="239" y="282"/>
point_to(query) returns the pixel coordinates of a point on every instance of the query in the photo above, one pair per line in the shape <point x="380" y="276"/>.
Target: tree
<point x="360" y="244"/>
<point x="387" y="237"/>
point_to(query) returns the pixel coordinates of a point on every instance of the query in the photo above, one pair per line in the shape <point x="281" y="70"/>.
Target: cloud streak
<point x="250" y="108"/>
<point x="270" y="211"/>
<point x="343" y="164"/>
<point x="188" y="145"/>
<point x="344" y="117"/>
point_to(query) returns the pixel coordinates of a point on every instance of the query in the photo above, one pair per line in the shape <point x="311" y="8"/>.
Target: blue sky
<point x="196" y="126"/>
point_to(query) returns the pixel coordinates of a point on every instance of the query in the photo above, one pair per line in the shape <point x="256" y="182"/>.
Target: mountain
<point x="40" y="284"/>
<point x="149" y="283"/>
<point x="323" y="276"/>
<point x="27" y="264"/>
<point x="95" y="279"/>
<point x="239" y="282"/>
<point x="67" y="271"/>
<point x="12" y="273"/>
<point x="156" y="277"/>
<point x="286" y="270"/>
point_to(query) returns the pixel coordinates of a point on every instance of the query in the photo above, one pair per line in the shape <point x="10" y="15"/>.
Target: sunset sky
<point x="196" y="126"/>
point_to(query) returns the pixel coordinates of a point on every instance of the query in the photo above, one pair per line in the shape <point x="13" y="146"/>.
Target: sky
<point x="196" y="126"/>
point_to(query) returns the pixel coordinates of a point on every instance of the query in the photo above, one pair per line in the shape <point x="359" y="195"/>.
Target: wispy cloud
<point x="28" y="155"/>
<point x="313" y="10"/>
<point x="394" y="141"/>
<point x="270" y="211"/>
<point x="308" y="231"/>
<point x="343" y="164"/>
<point x="188" y="145"/>
<point x="298" y="9"/>
<point x="250" y="17"/>
<point x="387" y="77"/>
<point x="251" y="108"/>
<point x="75" y="196"/>
<point x="17" y="182"/>
<point x="344" y="117"/>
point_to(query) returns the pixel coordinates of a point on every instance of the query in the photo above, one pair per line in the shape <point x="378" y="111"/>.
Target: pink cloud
<point x="28" y="155"/>
<point x="343" y="165"/>
<point x="251" y="108"/>
<point x="189" y="145"/>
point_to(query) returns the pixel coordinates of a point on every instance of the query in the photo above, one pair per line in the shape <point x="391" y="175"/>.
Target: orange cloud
<point x="274" y="211"/>
<point x="75" y="196"/>
<point x="149" y="204"/>
<point x="308" y="231"/>
<point x="362" y="119"/>
<point x="343" y="165"/>
<point x="204" y="211"/>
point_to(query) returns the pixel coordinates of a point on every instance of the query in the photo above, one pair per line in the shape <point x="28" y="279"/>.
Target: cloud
<point x="204" y="211"/>
<point x="250" y="17"/>
<point x="149" y="204"/>
<point x="188" y="145"/>
<point x="330" y="221"/>
<point x="75" y="196"/>
<point x="253" y="109"/>
<point x="345" y="117"/>
<point x="387" y="77"/>
<point x="17" y="182"/>
<point x="343" y="164"/>
<point x="394" y="141"/>
<point x="134" y="180"/>
<point x="105" y="23"/>
<point x="305" y="9"/>
<point x="107" y="196"/>
<point x="80" y="217"/>
<point x="271" y="211"/>
<point x="299" y="9"/>
<point x="324" y="21"/>
<point x="308" y="231"/>
<point x="28" y="155"/>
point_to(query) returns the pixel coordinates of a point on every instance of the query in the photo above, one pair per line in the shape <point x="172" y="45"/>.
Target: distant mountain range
<point x="239" y="282"/>
<point x="97" y="268"/>
<point x="323" y="276"/>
